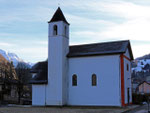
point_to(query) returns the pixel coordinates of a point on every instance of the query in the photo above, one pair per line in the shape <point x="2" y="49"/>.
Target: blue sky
<point x="24" y="28"/>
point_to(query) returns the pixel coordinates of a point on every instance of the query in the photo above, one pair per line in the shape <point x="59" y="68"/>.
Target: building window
<point x="142" y="63"/>
<point x="65" y="30"/>
<point x="127" y="67"/>
<point x="55" y="30"/>
<point x="74" y="80"/>
<point x="94" y="80"/>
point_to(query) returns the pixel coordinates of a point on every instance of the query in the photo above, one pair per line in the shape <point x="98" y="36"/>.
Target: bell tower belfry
<point x="58" y="48"/>
<point x="58" y="25"/>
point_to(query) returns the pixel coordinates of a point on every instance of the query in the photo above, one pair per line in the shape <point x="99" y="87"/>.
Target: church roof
<point x="58" y="16"/>
<point x="41" y="72"/>
<point x="106" y="48"/>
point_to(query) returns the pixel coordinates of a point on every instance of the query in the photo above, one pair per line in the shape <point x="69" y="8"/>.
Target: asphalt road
<point x="141" y="109"/>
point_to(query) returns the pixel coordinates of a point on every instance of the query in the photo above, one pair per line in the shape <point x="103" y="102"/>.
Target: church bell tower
<point x="58" y="48"/>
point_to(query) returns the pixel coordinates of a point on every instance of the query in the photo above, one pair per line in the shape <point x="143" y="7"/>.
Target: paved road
<point x="31" y="109"/>
<point x="59" y="110"/>
<point x="142" y="109"/>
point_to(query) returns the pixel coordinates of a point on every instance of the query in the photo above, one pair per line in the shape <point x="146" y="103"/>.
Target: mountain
<point x="2" y="59"/>
<point x="141" y="69"/>
<point x="144" y="57"/>
<point x="8" y="69"/>
<point x="140" y="65"/>
<point x="14" y="58"/>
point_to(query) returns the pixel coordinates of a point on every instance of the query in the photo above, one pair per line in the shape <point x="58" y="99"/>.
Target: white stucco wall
<point x="107" y="92"/>
<point x="127" y="53"/>
<point x="56" y="89"/>
<point x="127" y="77"/>
<point x="38" y="95"/>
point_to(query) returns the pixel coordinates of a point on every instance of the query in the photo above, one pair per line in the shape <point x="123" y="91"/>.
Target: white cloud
<point x="140" y="50"/>
<point x="32" y="54"/>
<point x="137" y="29"/>
<point x="5" y="44"/>
<point x="134" y="24"/>
<point x="42" y="42"/>
<point x="127" y="10"/>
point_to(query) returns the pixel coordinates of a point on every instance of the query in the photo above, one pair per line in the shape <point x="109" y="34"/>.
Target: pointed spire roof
<point x="58" y="16"/>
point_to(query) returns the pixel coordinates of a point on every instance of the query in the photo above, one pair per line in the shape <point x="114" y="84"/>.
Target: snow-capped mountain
<point x="140" y="64"/>
<point x="14" y="58"/>
<point x="141" y="69"/>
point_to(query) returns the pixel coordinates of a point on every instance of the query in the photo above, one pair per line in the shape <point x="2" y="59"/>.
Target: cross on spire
<point x="58" y="4"/>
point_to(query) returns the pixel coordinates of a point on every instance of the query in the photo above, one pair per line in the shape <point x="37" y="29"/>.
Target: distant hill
<point x="141" y="69"/>
<point x="140" y="65"/>
<point x="144" y="57"/>
<point x="7" y="68"/>
<point x="2" y="59"/>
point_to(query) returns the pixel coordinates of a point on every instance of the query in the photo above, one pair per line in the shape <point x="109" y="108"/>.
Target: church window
<point x="55" y="30"/>
<point x="74" y="80"/>
<point x="127" y="67"/>
<point x="94" y="80"/>
<point x="65" y="30"/>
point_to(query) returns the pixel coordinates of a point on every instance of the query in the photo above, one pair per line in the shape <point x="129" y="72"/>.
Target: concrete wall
<point x="107" y="92"/>
<point x="38" y="95"/>
<point x="127" y="78"/>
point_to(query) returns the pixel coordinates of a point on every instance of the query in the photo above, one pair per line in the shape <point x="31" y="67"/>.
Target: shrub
<point x="140" y="98"/>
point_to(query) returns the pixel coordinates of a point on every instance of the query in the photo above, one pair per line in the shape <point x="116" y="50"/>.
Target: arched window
<point x="74" y="80"/>
<point x="65" y="30"/>
<point x="94" y="80"/>
<point x="55" y="30"/>
<point x="127" y="67"/>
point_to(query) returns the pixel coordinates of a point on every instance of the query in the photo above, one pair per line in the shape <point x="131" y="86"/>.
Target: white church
<point x="97" y="74"/>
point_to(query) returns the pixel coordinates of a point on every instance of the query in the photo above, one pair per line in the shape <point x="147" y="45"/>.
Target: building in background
<point x="144" y="88"/>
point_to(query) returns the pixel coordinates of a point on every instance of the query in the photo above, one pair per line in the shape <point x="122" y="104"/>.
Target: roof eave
<point x="59" y="21"/>
<point x="91" y="55"/>
<point x="39" y="82"/>
<point x="130" y="50"/>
